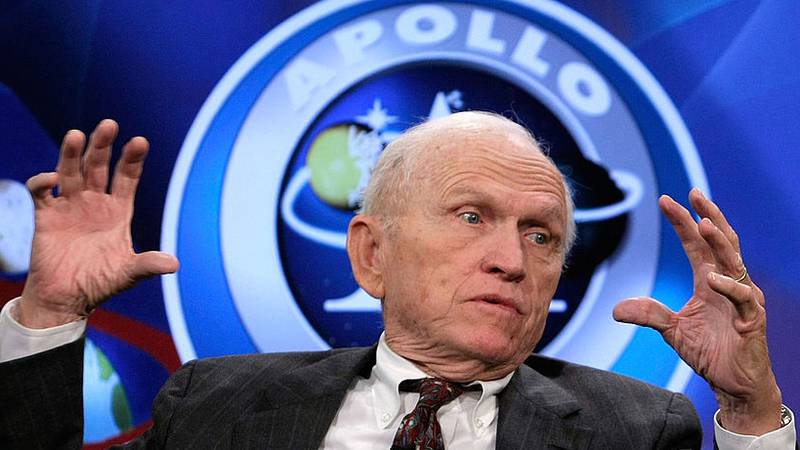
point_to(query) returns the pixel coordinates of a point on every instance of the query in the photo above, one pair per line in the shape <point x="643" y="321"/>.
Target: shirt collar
<point x="391" y="369"/>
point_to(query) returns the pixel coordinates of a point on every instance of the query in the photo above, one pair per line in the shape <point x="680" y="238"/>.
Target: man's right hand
<point x="82" y="248"/>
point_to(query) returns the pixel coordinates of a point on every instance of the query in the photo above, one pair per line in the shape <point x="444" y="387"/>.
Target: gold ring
<point x="742" y="276"/>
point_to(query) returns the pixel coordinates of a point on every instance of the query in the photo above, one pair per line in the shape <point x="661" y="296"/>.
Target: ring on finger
<point x="741" y="277"/>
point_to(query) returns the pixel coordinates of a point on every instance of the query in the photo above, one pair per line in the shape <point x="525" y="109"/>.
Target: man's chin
<point x="495" y="349"/>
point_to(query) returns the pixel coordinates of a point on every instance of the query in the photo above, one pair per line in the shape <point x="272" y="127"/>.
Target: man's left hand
<point x="721" y="331"/>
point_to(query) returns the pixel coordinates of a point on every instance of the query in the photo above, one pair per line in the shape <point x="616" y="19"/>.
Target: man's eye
<point x="539" y="238"/>
<point x="471" y="218"/>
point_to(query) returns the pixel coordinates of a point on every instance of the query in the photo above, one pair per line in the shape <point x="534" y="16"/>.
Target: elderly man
<point x="464" y="231"/>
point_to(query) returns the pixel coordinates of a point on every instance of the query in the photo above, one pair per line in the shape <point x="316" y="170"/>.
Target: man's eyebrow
<point x="462" y="190"/>
<point x="467" y="193"/>
<point x="546" y="213"/>
<point x="551" y="210"/>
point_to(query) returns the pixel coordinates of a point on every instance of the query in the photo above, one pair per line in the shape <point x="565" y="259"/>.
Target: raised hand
<point x="721" y="331"/>
<point x="82" y="249"/>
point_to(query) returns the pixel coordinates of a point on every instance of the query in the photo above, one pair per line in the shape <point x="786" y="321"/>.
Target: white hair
<point x="391" y="182"/>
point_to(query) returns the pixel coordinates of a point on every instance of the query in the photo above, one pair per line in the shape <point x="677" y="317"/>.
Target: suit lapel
<point x="297" y="409"/>
<point x="535" y="413"/>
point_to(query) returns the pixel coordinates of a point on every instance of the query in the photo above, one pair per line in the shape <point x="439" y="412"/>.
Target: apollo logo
<point x="271" y="171"/>
<point x="427" y="26"/>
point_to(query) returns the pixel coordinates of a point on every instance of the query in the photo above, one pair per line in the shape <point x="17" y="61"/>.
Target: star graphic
<point x="377" y="117"/>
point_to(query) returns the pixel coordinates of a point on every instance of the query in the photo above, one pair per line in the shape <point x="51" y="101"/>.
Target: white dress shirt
<point x="17" y="341"/>
<point x="373" y="408"/>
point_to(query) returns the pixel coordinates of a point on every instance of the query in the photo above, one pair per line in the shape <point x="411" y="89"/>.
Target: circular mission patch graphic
<point x="271" y="170"/>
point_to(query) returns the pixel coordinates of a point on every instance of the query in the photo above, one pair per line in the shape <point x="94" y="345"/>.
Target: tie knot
<point x="433" y="392"/>
<point x="420" y="429"/>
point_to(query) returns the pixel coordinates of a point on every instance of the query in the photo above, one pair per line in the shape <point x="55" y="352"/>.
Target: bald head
<point x="406" y="162"/>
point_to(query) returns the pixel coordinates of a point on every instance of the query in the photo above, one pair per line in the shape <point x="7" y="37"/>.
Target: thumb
<point x="644" y="311"/>
<point x="152" y="263"/>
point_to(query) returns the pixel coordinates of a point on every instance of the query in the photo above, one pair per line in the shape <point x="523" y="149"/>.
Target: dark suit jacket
<point x="289" y="400"/>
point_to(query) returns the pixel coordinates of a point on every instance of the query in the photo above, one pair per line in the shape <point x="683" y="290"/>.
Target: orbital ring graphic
<point x="628" y="182"/>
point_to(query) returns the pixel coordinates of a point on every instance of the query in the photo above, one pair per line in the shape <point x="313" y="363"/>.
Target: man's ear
<point x="364" y="245"/>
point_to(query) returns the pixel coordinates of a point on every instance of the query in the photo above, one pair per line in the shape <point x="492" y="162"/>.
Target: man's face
<point x="474" y="260"/>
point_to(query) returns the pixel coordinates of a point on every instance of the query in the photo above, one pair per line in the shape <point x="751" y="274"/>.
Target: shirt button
<point x="385" y="417"/>
<point x="479" y="423"/>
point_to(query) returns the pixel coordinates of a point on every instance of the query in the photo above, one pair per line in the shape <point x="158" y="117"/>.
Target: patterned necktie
<point x="420" y="429"/>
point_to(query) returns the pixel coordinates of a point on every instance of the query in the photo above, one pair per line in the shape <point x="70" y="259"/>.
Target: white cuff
<point x="17" y="341"/>
<point x="782" y="438"/>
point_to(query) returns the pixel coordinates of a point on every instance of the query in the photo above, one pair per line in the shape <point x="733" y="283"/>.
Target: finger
<point x="129" y="168"/>
<point x="69" y="163"/>
<point x="686" y="228"/>
<point x="98" y="155"/>
<point x="41" y="188"/>
<point x="152" y="263"/>
<point x="706" y="208"/>
<point x="644" y="311"/>
<point x="728" y="260"/>
<point x="740" y="295"/>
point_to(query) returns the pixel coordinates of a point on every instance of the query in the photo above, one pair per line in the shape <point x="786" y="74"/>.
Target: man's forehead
<point x="497" y="167"/>
<point x="517" y="162"/>
<point x="449" y="146"/>
<point x="475" y="144"/>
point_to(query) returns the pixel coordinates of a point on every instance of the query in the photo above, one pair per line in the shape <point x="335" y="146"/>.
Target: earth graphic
<point x="107" y="412"/>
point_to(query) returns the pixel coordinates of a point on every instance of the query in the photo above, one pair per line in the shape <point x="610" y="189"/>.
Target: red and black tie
<point x="420" y="428"/>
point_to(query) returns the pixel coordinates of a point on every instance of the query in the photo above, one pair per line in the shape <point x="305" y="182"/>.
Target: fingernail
<point x="712" y="276"/>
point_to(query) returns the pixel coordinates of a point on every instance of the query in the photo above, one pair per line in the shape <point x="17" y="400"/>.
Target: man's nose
<point x="505" y="255"/>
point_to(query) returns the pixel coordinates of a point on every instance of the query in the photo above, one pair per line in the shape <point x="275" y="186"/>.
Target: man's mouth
<point x="506" y="303"/>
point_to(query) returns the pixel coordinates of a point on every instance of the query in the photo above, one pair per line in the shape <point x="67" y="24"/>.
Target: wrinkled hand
<point x="721" y="331"/>
<point x="82" y="249"/>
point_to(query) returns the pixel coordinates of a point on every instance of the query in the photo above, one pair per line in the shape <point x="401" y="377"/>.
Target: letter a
<point x="303" y="77"/>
